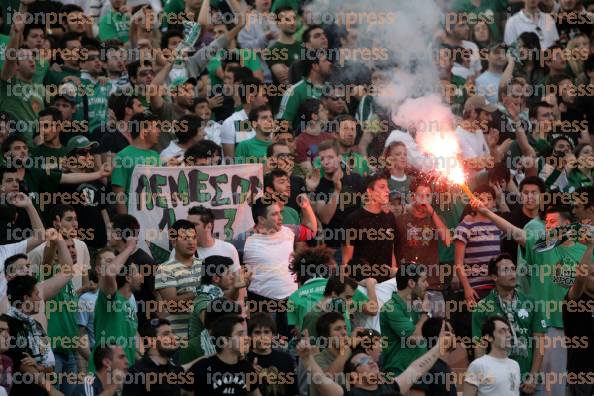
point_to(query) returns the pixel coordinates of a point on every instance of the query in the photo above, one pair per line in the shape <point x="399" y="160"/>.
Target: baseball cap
<point x="479" y="102"/>
<point x="79" y="142"/>
<point x="181" y="81"/>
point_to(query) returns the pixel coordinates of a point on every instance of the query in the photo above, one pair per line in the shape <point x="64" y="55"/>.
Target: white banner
<point x="161" y="195"/>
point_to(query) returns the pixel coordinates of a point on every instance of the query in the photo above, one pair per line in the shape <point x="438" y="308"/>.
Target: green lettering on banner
<point x="167" y="220"/>
<point x="215" y="181"/>
<point x="201" y="186"/>
<point x="230" y="215"/>
<point x="158" y="181"/>
<point x="180" y="187"/>
<point x="244" y="185"/>
<point x="147" y="198"/>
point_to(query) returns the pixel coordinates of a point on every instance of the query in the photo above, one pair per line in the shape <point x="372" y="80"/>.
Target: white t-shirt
<point x="545" y="28"/>
<point x="413" y="152"/>
<point x="384" y="292"/>
<point x="494" y="376"/>
<point x="472" y="144"/>
<point x="82" y="257"/>
<point x="232" y="135"/>
<point x="267" y="256"/>
<point x="173" y="150"/>
<point x="213" y="132"/>
<point x="487" y="85"/>
<point x="7" y="251"/>
<point x="220" y="248"/>
<point x="475" y="66"/>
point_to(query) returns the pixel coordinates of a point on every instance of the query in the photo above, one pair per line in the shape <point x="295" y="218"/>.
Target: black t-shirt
<point x="373" y="237"/>
<point x="113" y="141"/>
<point x="436" y="381"/>
<point x="166" y="379"/>
<point x="88" y="199"/>
<point x="279" y="365"/>
<point x="382" y="389"/>
<point x="147" y="266"/>
<point x="349" y="200"/>
<point x="213" y="377"/>
<point x="571" y="24"/>
<point x="519" y="219"/>
<point x="578" y="321"/>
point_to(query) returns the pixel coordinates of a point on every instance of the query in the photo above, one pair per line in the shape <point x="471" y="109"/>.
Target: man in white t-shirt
<point x="487" y="84"/>
<point x="237" y="128"/>
<point x="457" y="33"/>
<point x="267" y="255"/>
<point x="494" y="374"/>
<point x="531" y="19"/>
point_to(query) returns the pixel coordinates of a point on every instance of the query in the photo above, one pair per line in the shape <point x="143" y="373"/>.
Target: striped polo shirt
<point x="483" y="242"/>
<point x="172" y="273"/>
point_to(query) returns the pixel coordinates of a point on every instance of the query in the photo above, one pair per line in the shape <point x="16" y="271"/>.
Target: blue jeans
<point x="66" y="363"/>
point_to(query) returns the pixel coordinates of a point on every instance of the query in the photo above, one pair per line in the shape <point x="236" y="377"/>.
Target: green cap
<point x="80" y="142"/>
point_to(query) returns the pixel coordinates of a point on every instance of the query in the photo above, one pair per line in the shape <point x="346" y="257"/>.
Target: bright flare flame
<point x="443" y="147"/>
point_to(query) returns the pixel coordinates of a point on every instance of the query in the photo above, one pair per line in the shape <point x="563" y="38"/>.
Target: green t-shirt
<point x="294" y="4"/>
<point x="41" y="68"/>
<point x="126" y="160"/>
<point x="450" y="213"/>
<point x="527" y="320"/>
<point x="55" y="77"/>
<point x="21" y="99"/>
<point x="284" y="53"/>
<point x="97" y="96"/>
<point x="114" y="25"/>
<point x="397" y="323"/>
<point x="290" y="216"/>
<point x="576" y="180"/>
<point x="115" y="322"/>
<point x="61" y="313"/>
<point x="49" y="156"/>
<point x="308" y="295"/>
<point x="252" y="151"/>
<point x="490" y="11"/>
<point x="4" y="39"/>
<point x="293" y="98"/>
<point x="355" y="161"/>
<point x="247" y="57"/>
<point x="195" y="324"/>
<point x="550" y="275"/>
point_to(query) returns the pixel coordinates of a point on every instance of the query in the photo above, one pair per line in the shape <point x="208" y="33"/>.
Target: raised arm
<point x="308" y="217"/>
<point x="21" y="200"/>
<point x="16" y="37"/>
<point x="583" y="271"/>
<point x="49" y="288"/>
<point x="107" y="282"/>
<point x="508" y="228"/>
<point x="323" y="384"/>
<point x="78" y="178"/>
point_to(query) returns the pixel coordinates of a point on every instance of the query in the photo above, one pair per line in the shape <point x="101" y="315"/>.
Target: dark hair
<point x="255" y="112"/>
<point x="488" y="327"/>
<point x="589" y="64"/>
<point x="202" y="150"/>
<point x="563" y="210"/>
<point x="68" y="36"/>
<point x="194" y="123"/>
<point x="329" y="144"/>
<point x="311" y="262"/>
<point x="134" y="66"/>
<point x="181" y="224"/>
<point x="259" y="208"/>
<point x="10" y="139"/>
<point x="91" y="44"/>
<point x="533" y="110"/>
<point x="223" y="328"/>
<point x="375" y="177"/>
<point x="349" y="366"/>
<point x="338" y="284"/>
<point x="8" y="263"/>
<point x="418" y="182"/>
<point x="530" y="40"/>
<point x="270" y="149"/>
<point x="103" y="351"/>
<point x="138" y="121"/>
<point x="206" y="214"/>
<point x="325" y="321"/>
<point x="126" y="225"/>
<point x="119" y="104"/>
<point x="123" y="273"/>
<point x="214" y="266"/>
<point x="485" y="188"/>
<point x="533" y="181"/>
<point x="4" y="169"/>
<point x="307" y="32"/>
<point x="312" y="57"/>
<point x="261" y="320"/>
<point x="406" y="272"/>
<point x="149" y="328"/>
<point x="273" y="174"/>
<point x="30" y="27"/>
<point x="69" y="8"/>
<point x="586" y="192"/>
<point x="60" y="210"/>
<point x="430" y="331"/>
<point x="169" y="34"/>
<point x="233" y="56"/>
<point x="19" y="287"/>
<point x="308" y="108"/>
<point x="247" y="86"/>
<point x="51" y="111"/>
<point x="498" y="172"/>
<point x="285" y="9"/>
<point x="495" y="260"/>
<point x="241" y="73"/>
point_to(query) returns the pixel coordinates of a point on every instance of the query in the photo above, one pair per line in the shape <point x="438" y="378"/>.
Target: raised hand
<point x="312" y="179"/>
